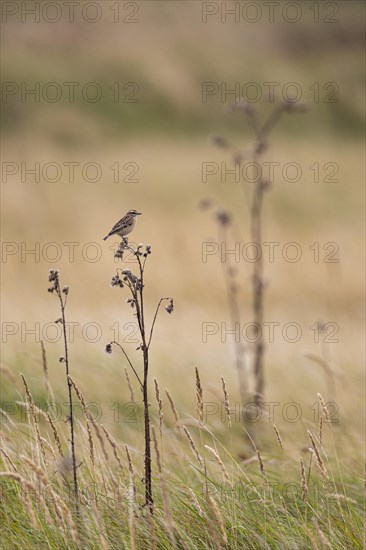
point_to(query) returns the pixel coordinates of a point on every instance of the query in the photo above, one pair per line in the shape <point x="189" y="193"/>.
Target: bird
<point x="125" y="225"/>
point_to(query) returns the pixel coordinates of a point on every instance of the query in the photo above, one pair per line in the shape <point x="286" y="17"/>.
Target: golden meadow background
<point x="169" y="53"/>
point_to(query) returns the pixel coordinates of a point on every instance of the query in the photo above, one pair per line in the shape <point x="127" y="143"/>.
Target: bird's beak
<point x="138" y="213"/>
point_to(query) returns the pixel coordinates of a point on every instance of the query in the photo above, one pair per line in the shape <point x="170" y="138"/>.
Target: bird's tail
<point x="105" y="238"/>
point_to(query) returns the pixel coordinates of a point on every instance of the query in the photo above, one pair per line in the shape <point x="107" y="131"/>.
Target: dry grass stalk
<point x="131" y="469"/>
<point x="199" y="397"/>
<point x="195" y="503"/>
<point x="317" y="455"/>
<point x="87" y="418"/>
<point x="34" y="415"/>
<point x="30" y="410"/>
<point x="44" y="480"/>
<point x="113" y="444"/>
<point x="160" y="406"/>
<point x="324" y="407"/>
<point x="261" y="465"/>
<point x="323" y="539"/>
<point x="166" y="503"/>
<point x="50" y="394"/>
<point x="174" y="411"/>
<point x="8" y="419"/>
<point x="226" y="401"/>
<point x="8" y="459"/>
<point x="26" y="486"/>
<point x="132" y="393"/>
<point x="157" y="452"/>
<point x="340" y="497"/>
<point x="100" y="438"/>
<point x="153" y="539"/>
<point x="55" y="434"/>
<point x="304" y="485"/>
<point x="193" y="446"/>
<point x="49" y="446"/>
<point x="221" y="464"/>
<point x="214" y="509"/>
<point x="283" y="503"/>
<point x="279" y="439"/>
<point x="70" y="522"/>
<point x="321" y="422"/>
<point x="132" y="515"/>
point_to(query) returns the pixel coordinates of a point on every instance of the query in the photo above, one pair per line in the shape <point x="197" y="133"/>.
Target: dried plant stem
<point x="62" y="296"/>
<point x="235" y="317"/>
<point x="136" y="286"/>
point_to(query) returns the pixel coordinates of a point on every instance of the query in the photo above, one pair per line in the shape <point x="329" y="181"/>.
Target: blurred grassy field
<point x="166" y="135"/>
<point x="169" y="54"/>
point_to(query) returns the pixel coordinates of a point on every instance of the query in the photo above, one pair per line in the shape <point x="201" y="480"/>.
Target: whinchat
<point x="125" y="225"/>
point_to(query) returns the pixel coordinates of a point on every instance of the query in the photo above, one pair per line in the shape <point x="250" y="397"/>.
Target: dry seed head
<point x="131" y="470"/>
<point x="160" y="405"/>
<point x="195" y="503"/>
<point x="158" y="458"/>
<point x="317" y="455"/>
<point x="55" y="434"/>
<point x="132" y="393"/>
<point x="304" y="485"/>
<point x="321" y="430"/>
<point x="220" y="463"/>
<point x="100" y="438"/>
<point x="8" y="459"/>
<point x="199" y="398"/>
<point x="217" y="516"/>
<point x="34" y="415"/>
<point x="279" y="439"/>
<point x="261" y="465"/>
<point x="193" y="446"/>
<point x="324" y="407"/>
<point x="87" y="418"/>
<point x="226" y="400"/>
<point x="113" y="444"/>
<point x="174" y="410"/>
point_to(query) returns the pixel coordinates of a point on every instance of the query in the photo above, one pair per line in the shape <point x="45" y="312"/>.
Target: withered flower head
<point x="170" y="307"/>
<point x="223" y="216"/>
<point x="116" y="281"/>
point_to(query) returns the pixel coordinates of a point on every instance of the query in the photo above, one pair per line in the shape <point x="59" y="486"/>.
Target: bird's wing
<point x="117" y="227"/>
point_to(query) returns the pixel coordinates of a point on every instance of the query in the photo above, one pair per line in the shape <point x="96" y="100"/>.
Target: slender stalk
<point x="71" y="409"/>
<point x="260" y="133"/>
<point x="235" y="317"/>
<point x="154" y="320"/>
<point x="136" y="287"/>
<point x="145" y="349"/>
<point x="258" y="287"/>
<point x="129" y="362"/>
<point x="54" y="277"/>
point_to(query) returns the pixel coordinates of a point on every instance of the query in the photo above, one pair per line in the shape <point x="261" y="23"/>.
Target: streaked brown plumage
<point x="125" y="225"/>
